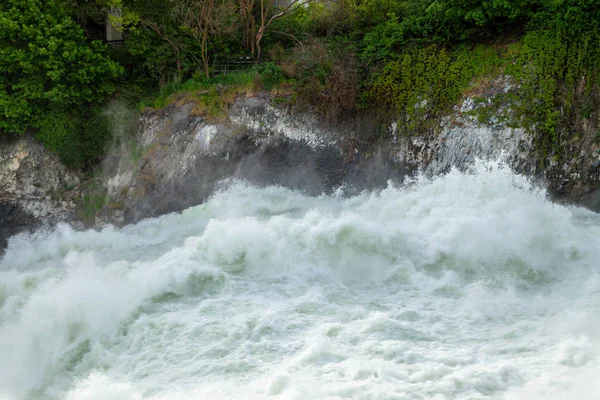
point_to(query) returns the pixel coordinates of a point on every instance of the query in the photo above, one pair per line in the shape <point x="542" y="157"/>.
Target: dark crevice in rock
<point x="13" y="220"/>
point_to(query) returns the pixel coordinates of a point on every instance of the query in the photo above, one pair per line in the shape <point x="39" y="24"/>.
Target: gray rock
<point x="175" y="159"/>
<point x="33" y="187"/>
<point x="459" y="143"/>
<point x="185" y="157"/>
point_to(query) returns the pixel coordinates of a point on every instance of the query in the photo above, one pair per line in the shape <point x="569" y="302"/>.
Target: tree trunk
<point x="204" y="48"/>
<point x="246" y="13"/>
<point x="259" y="36"/>
<point x="179" y="69"/>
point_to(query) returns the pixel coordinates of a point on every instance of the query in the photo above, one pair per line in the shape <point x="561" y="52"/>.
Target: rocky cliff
<point x="182" y="158"/>
<point x="179" y="159"/>
<point x="176" y="159"/>
<point x="35" y="188"/>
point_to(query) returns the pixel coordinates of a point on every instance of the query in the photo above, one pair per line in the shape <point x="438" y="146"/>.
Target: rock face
<point x="462" y="139"/>
<point x="33" y="187"/>
<point x="180" y="158"/>
<point x="175" y="159"/>
<point x="257" y="115"/>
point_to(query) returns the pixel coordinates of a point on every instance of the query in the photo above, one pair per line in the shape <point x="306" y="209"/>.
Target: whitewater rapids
<point x="471" y="285"/>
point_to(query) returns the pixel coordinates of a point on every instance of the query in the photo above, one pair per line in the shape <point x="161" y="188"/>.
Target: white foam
<point x="471" y="285"/>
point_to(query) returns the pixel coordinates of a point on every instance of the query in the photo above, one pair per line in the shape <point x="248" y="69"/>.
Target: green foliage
<point x="412" y="58"/>
<point x="556" y="64"/>
<point x="557" y="76"/>
<point x="59" y="132"/>
<point x="296" y="27"/>
<point x="327" y="78"/>
<point x="425" y="83"/>
<point x="156" y="59"/>
<point x="447" y="22"/>
<point x="87" y="13"/>
<point x="454" y="15"/>
<point x="574" y="17"/>
<point x="271" y="74"/>
<point x="558" y="70"/>
<point x="47" y="65"/>
<point x="371" y="13"/>
<point x="355" y="18"/>
<point x="163" y="50"/>
<point x="385" y="40"/>
<point x="212" y="95"/>
<point x="78" y="139"/>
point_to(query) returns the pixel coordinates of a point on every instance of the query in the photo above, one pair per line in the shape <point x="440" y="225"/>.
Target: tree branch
<point x="288" y="34"/>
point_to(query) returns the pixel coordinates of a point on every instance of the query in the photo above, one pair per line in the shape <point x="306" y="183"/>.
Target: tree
<point x="47" y="64"/>
<point x="249" y="23"/>
<point x="206" y="19"/>
<point x="462" y="19"/>
<point x="88" y="14"/>
<point x="143" y="19"/>
<point x="199" y="16"/>
<point x="268" y="11"/>
<point x="271" y="10"/>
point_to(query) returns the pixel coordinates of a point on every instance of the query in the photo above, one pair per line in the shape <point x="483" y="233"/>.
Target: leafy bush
<point x="59" y="132"/>
<point x="271" y="74"/>
<point x="459" y="20"/>
<point x="327" y="78"/>
<point x="385" y="40"/>
<point x="425" y="83"/>
<point x="200" y="87"/>
<point x="78" y="139"/>
<point x="447" y="22"/>
<point x="559" y="77"/>
<point x="47" y="64"/>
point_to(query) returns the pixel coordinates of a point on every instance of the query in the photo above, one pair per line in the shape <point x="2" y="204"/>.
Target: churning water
<point x="466" y="286"/>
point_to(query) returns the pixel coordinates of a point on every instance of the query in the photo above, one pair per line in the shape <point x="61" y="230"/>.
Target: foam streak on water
<point x="467" y="286"/>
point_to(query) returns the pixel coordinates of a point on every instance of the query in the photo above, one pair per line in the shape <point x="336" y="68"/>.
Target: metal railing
<point x="115" y="44"/>
<point x="233" y="65"/>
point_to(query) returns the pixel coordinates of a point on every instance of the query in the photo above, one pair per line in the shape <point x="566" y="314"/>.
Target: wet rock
<point x="184" y="158"/>
<point x="175" y="159"/>
<point x="33" y="184"/>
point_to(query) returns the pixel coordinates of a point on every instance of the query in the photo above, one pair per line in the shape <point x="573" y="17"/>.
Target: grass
<point x="211" y="94"/>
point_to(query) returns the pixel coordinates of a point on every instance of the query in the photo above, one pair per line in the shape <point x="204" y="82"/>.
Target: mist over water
<point x="470" y="285"/>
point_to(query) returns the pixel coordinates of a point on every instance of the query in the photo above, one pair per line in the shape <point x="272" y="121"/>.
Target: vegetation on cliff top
<point x="52" y="77"/>
<point x="411" y="60"/>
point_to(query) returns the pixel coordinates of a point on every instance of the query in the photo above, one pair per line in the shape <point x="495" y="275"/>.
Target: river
<point x="470" y="285"/>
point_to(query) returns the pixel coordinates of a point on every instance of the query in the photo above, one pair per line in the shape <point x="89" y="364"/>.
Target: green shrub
<point x="327" y="78"/>
<point x="46" y="65"/>
<point x="271" y="74"/>
<point x="60" y="133"/>
<point x="79" y="140"/>
<point x="557" y="76"/>
<point x="424" y="83"/>
<point x="200" y="87"/>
